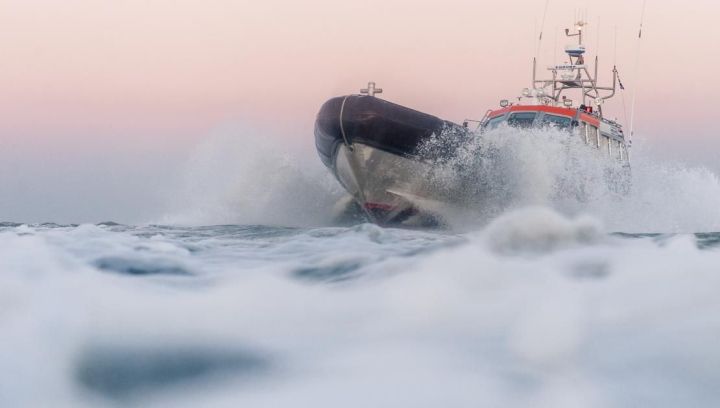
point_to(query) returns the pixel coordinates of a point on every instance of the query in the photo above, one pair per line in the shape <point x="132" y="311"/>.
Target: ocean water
<point x="536" y="309"/>
<point x="249" y="292"/>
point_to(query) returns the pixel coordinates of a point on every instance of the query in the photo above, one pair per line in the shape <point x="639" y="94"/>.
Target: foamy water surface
<point x="536" y="309"/>
<point x="531" y="297"/>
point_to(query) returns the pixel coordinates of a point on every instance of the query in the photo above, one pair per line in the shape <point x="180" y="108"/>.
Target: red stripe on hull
<point x="378" y="206"/>
<point x="569" y="112"/>
<point x="555" y="110"/>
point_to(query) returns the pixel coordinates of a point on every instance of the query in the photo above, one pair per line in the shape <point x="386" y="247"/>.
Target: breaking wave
<point x="663" y="197"/>
<point x="245" y="177"/>
<point x="509" y="168"/>
<point x="237" y="177"/>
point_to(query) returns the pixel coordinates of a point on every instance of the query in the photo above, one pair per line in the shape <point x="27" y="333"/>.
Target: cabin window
<point x="604" y="143"/>
<point x="494" y="122"/>
<point x="522" y="119"/>
<point x="582" y="129"/>
<point x="560" y="122"/>
<point x="592" y="136"/>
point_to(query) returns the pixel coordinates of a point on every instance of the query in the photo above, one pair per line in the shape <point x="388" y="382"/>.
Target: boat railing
<point x="480" y="122"/>
<point x="468" y="121"/>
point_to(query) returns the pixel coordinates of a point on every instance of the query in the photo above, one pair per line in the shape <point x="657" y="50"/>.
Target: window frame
<point x="494" y="123"/>
<point x="592" y="132"/>
<point x="545" y="122"/>
<point x="519" y="113"/>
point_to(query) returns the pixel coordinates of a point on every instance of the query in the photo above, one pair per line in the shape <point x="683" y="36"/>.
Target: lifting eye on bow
<point x="371" y="90"/>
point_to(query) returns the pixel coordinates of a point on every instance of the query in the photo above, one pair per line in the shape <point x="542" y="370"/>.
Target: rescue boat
<point x="378" y="151"/>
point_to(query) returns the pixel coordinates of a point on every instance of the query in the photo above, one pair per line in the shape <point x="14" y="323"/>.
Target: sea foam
<point x="491" y="317"/>
<point x="235" y="177"/>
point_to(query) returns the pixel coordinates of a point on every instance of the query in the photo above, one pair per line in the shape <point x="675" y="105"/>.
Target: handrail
<point x="479" y="122"/>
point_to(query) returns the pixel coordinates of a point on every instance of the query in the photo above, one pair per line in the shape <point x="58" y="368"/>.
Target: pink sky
<point x="139" y="76"/>
<point x="169" y="64"/>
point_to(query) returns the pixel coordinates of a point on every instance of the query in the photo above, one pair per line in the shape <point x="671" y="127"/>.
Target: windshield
<point x="560" y="122"/>
<point x="494" y="122"/>
<point x="522" y="119"/>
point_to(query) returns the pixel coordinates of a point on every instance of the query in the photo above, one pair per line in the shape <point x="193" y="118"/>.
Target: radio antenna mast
<point x="542" y="27"/>
<point x="637" y="71"/>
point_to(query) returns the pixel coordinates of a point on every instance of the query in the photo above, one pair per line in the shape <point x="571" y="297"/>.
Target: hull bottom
<point x="390" y="189"/>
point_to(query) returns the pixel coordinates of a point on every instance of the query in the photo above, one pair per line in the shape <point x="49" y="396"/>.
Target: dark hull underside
<point x="383" y="125"/>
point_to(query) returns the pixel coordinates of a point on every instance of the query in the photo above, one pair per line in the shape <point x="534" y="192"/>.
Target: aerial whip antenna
<point x="637" y="70"/>
<point x="597" y="39"/>
<point x="615" y="48"/>
<point x="622" y="87"/>
<point x="555" y="47"/>
<point x="542" y="27"/>
<point x="539" y="43"/>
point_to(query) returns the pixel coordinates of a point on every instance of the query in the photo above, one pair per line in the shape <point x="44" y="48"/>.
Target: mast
<point x="573" y="75"/>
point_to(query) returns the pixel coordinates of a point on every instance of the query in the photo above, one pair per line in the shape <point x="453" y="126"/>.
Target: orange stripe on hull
<point x="555" y="110"/>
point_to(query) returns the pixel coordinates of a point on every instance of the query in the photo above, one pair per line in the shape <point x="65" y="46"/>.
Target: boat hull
<point x="401" y="166"/>
<point x="383" y="154"/>
<point x="389" y="188"/>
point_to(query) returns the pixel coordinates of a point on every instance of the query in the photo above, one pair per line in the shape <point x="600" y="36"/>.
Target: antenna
<point x="615" y="48"/>
<point x="636" y="78"/>
<point x="597" y="39"/>
<point x="556" y="45"/>
<point x="542" y="27"/>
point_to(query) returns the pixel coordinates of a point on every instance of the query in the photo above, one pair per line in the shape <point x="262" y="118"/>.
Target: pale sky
<point x="101" y="101"/>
